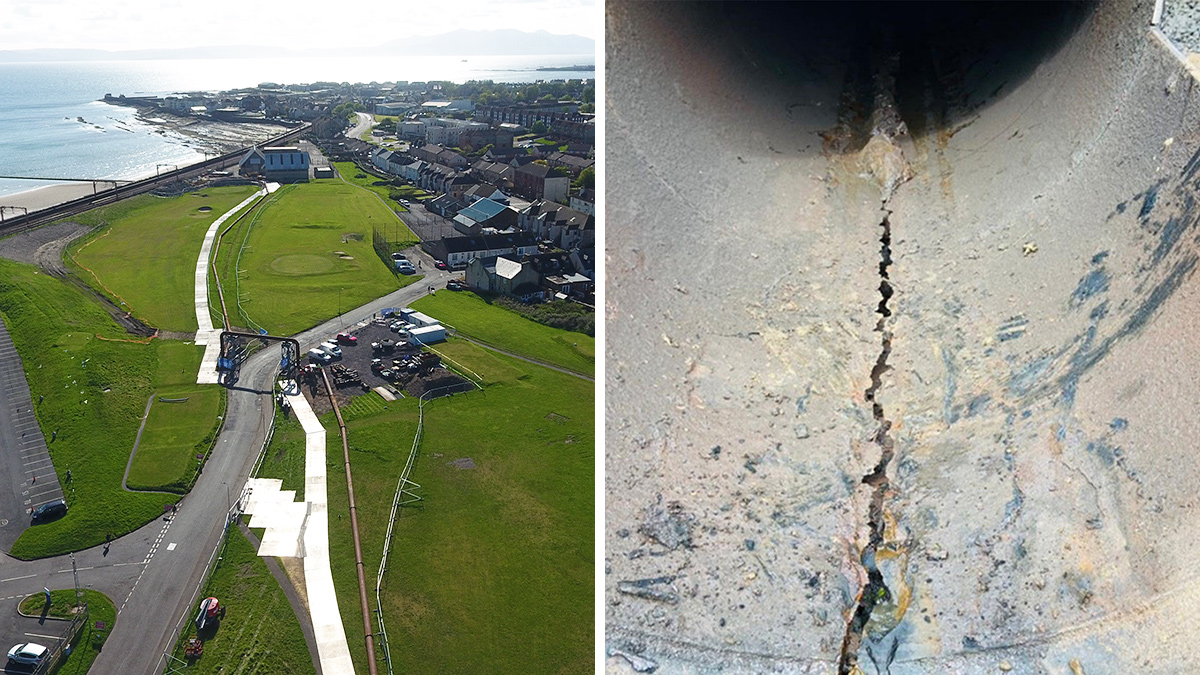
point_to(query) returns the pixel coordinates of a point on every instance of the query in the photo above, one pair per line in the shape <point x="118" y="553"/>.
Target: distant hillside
<point x="485" y="42"/>
<point x="454" y="43"/>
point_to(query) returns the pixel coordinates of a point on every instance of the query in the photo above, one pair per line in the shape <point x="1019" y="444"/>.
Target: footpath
<point x="293" y="529"/>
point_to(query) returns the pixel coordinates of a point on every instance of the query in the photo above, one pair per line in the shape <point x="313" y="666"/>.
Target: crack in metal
<point x="876" y="590"/>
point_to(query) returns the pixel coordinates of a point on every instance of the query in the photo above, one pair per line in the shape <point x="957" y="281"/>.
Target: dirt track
<point x="42" y="247"/>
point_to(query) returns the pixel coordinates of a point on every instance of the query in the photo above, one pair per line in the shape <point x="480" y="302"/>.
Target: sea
<point x="53" y="125"/>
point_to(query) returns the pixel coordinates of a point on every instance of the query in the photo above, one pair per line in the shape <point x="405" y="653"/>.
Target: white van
<point x="319" y="356"/>
<point x="331" y="349"/>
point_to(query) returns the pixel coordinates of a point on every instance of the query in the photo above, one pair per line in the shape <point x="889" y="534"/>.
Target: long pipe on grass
<point x="358" y="560"/>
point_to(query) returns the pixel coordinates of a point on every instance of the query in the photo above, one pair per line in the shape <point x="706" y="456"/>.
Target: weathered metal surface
<point x="1039" y="510"/>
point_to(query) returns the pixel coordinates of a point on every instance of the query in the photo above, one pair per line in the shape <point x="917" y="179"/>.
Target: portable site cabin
<point x="428" y="334"/>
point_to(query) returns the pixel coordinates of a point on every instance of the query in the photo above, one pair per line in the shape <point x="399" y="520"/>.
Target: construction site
<point x="900" y="313"/>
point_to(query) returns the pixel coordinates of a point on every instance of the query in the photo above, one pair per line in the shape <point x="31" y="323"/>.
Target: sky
<point x="158" y="24"/>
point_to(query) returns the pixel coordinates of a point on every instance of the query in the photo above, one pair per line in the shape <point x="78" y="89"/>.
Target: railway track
<point x="35" y="219"/>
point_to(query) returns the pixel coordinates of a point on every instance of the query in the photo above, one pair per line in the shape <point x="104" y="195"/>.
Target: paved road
<point x="170" y="579"/>
<point x="365" y="120"/>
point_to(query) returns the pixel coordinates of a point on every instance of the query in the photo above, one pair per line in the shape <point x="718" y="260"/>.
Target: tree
<point x="587" y="178"/>
<point x="587" y="108"/>
<point x="538" y="127"/>
<point x="589" y="95"/>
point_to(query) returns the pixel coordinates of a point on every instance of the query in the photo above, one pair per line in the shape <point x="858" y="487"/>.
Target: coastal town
<point x="502" y="176"/>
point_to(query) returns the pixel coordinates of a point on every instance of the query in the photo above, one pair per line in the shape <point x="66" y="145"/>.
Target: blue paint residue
<point x="1093" y="283"/>
<point x="1149" y="201"/>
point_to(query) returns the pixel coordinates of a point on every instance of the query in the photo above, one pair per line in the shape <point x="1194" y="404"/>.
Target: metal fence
<point x="404" y="495"/>
<point x="66" y="644"/>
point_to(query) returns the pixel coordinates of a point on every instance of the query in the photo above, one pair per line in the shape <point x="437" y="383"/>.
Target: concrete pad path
<point x="206" y="334"/>
<point x="318" y="577"/>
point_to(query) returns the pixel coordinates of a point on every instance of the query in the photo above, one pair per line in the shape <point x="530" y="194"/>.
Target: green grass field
<point x="474" y="317"/>
<point x="308" y="254"/>
<point x="350" y="173"/>
<point x="259" y="633"/>
<point x="175" y="433"/>
<point x="95" y="393"/>
<point x="91" y="639"/>
<point x="285" y="457"/>
<point x="494" y="571"/>
<point x="146" y="257"/>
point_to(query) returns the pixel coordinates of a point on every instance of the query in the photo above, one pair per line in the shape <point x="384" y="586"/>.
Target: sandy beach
<point x="45" y="197"/>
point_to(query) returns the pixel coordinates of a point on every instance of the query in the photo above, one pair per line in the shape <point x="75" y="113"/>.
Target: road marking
<point x="171" y="546"/>
<point x="27" y="576"/>
<point x="48" y="637"/>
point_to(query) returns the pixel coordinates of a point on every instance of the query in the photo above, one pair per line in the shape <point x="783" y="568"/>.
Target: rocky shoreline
<point x="209" y="136"/>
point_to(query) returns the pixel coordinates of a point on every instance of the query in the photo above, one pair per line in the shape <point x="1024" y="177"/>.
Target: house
<point x="539" y="181"/>
<point x="561" y="225"/>
<point x="436" y="154"/>
<point x="504" y="155"/>
<point x="568" y="285"/>
<point x="485" y="213"/>
<point x="380" y="158"/>
<point x="584" y="260"/>
<point x="499" y="274"/>
<point x="585" y="201"/>
<point x="571" y="163"/>
<point x="438" y="178"/>
<point x="446" y="206"/>
<point x="410" y="130"/>
<point x="412" y="170"/>
<point x="485" y="191"/>
<point x="457" y="251"/>
<point x="493" y="172"/>
<point x="252" y="163"/>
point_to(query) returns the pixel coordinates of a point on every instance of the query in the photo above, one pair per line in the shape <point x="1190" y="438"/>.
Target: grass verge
<point x="260" y="633"/>
<point x="284" y="458"/>
<point x="493" y="571"/>
<point x="91" y="639"/>
<point x="90" y="386"/>
<point x="176" y="437"/>
<point x="475" y="317"/>
<point x="146" y="256"/>
<point x="391" y="194"/>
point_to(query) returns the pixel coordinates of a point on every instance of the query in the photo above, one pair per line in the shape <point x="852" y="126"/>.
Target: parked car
<point x="319" y="356"/>
<point x="459" y="266"/>
<point x="347" y="339"/>
<point x="456" y="285"/>
<point x="405" y="267"/>
<point x="331" y="349"/>
<point x="398" y="256"/>
<point x="53" y="509"/>
<point x="27" y="653"/>
<point x="440" y="264"/>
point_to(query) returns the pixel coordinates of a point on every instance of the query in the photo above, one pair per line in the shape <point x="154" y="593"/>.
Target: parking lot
<point x="405" y="382"/>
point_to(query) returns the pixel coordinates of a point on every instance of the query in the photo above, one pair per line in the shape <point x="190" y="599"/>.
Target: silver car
<point x="27" y="653"/>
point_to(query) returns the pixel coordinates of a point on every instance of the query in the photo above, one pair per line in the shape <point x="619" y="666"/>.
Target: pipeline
<point x="358" y="560"/>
